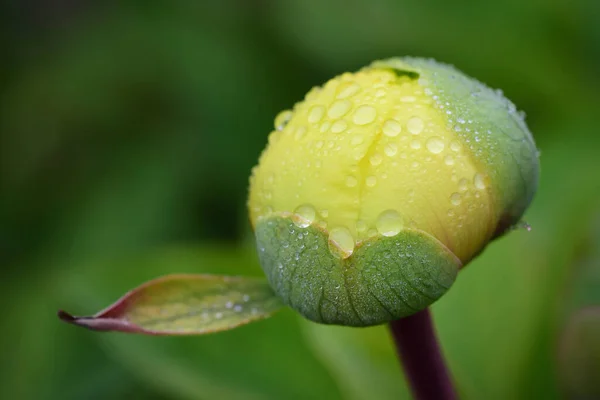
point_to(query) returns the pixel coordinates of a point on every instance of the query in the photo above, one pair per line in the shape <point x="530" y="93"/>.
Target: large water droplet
<point x="449" y="160"/>
<point x="347" y="89"/>
<point x="364" y="115"/>
<point x="435" y="145"/>
<point x="339" y="126"/>
<point x="338" y="109"/>
<point x="479" y="181"/>
<point x="415" y="125"/>
<point x="415" y="144"/>
<point x="389" y="223"/>
<point x="305" y="215"/>
<point x="392" y="128"/>
<point x="316" y="114"/>
<point x="282" y="119"/>
<point x="340" y="239"/>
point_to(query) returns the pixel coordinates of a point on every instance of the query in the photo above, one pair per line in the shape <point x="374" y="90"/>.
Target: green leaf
<point x="185" y="305"/>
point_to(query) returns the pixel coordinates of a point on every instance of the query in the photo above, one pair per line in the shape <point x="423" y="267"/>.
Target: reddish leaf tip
<point x="66" y="317"/>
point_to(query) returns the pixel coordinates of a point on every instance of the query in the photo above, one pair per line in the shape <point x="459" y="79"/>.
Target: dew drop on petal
<point x="415" y="125"/>
<point x="389" y="223"/>
<point x="340" y="239"/>
<point x="282" y="119"/>
<point x="390" y="149"/>
<point x="435" y="145"/>
<point x="455" y="198"/>
<point x="339" y="108"/>
<point x="376" y="159"/>
<point x="339" y="126"/>
<point x="305" y="215"/>
<point x="364" y="115"/>
<point x="351" y="181"/>
<point x="347" y="89"/>
<point x="391" y="128"/>
<point x="316" y="114"/>
<point x="479" y="181"/>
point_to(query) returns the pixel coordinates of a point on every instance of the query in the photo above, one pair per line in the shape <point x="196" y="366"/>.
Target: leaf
<point x="185" y="305"/>
<point x="247" y="363"/>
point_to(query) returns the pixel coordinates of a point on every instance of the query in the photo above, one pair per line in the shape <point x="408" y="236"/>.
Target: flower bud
<point x="377" y="188"/>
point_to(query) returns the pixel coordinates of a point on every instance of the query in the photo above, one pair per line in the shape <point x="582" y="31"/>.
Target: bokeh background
<point x="127" y="133"/>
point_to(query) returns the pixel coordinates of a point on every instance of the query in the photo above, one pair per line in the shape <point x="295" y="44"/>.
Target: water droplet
<point x="237" y="308"/>
<point x="389" y="223"/>
<point x="300" y="132"/>
<point x="351" y="181"/>
<point x="390" y="149"/>
<point x="339" y="108"/>
<point x="229" y="304"/>
<point x="449" y="160"/>
<point x="324" y="126"/>
<point x="455" y="198"/>
<point x="371" y="181"/>
<point x="375" y="159"/>
<point x="415" y="125"/>
<point x="282" y="119"/>
<point x="305" y="215"/>
<point x="463" y="185"/>
<point x="392" y="128"/>
<point x="339" y="126"/>
<point x="435" y="145"/>
<point x="415" y="144"/>
<point x="408" y="99"/>
<point x="219" y="315"/>
<point x="246" y="298"/>
<point x="347" y="89"/>
<point x="356" y="140"/>
<point x="340" y="239"/>
<point x="364" y="115"/>
<point x="324" y="213"/>
<point x="319" y="144"/>
<point x="361" y="226"/>
<point x="522" y="225"/>
<point x="479" y="181"/>
<point x="460" y="120"/>
<point x="316" y="114"/>
<point x="455" y="146"/>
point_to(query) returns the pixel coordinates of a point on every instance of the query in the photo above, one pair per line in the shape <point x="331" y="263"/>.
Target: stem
<point x="422" y="360"/>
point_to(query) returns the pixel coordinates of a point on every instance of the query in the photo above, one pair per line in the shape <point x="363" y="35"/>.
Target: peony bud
<point x="377" y="188"/>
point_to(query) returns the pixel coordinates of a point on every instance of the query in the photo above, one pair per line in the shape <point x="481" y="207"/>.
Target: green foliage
<point x="126" y="132"/>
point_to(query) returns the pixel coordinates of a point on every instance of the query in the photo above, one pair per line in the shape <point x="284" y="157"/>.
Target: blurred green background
<point x="127" y="133"/>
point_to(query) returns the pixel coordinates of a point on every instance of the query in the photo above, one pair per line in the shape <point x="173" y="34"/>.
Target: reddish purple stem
<point x="422" y="360"/>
